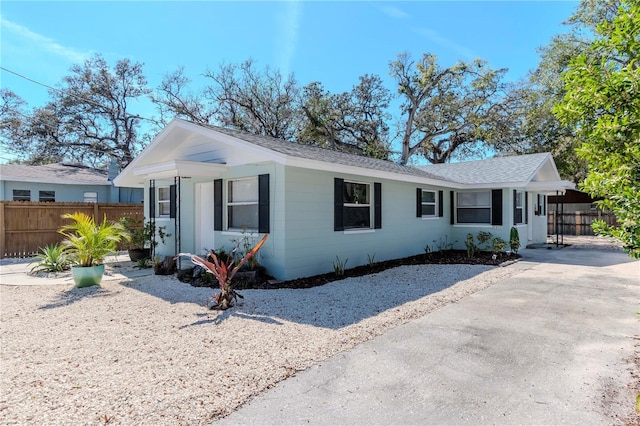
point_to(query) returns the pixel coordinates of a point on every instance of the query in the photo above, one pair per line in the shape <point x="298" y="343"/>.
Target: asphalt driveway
<point x="553" y="344"/>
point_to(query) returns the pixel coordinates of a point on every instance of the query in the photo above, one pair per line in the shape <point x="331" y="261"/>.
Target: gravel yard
<point x="147" y="351"/>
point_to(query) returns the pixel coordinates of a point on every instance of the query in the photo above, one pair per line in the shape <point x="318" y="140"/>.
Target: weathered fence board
<point x="27" y="226"/>
<point x="576" y="223"/>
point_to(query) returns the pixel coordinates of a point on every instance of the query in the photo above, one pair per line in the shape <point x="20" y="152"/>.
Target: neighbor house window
<point x="357" y="205"/>
<point x="90" y="197"/>
<point x="518" y="208"/>
<point x="473" y="207"/>
<point x="242" y="204"/>
<point x="21" y="195"/>
<point x="164" y="201"/>
<point x="47" y="196"/>
<point x="428" y="204"/>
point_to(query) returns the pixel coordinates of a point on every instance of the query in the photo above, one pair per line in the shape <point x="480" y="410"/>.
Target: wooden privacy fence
<point x="27" y="226"/>
<point x="576" y="223"/>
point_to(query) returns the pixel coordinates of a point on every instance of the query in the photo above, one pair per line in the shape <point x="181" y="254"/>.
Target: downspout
<point x="555" y="217"/>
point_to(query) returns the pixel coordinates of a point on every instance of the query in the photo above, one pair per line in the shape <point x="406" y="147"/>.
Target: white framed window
<point x="428" y="204"/>
<point x="90" y="197"/>
<point x="164" y="201"/>
<point x="518" y="209"/>
<point x="47" y="196"/>
<point x="242" y="204"/>
<point x="357" y="205"/>
<point x="473" y="207"/>
<point x="21" y="195"/>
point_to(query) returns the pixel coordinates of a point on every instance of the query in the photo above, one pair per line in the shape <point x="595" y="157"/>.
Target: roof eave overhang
<point x="169" y="169"/>
<point x="550" y="186"/>
<point x="363" y="171"/>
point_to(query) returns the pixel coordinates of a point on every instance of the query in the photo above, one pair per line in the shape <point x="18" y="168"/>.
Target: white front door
<point x="204" y="217"/>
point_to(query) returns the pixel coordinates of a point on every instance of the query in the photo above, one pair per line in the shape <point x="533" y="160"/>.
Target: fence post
<point x="2" y="231"/>
<point x="95" y="213"/>
<point x="578" y="223"/>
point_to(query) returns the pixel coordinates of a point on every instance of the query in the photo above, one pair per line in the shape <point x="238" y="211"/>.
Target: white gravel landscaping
<point x="147" y="351"/>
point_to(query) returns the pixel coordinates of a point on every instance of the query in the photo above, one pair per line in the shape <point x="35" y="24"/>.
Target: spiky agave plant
<point x="224" y="272"/>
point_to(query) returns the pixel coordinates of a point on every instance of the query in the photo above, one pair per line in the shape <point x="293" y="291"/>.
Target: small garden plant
<point x="224" y="271"/>
<point x="52" y="258"/>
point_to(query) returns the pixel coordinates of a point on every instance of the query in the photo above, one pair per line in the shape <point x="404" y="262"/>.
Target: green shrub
<point x="52" y="258"/>
<point x="514" y="240"/>
<point x="472" y="248"/>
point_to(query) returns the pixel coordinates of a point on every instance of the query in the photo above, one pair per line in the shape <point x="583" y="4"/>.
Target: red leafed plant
<point x="224" y="272"/>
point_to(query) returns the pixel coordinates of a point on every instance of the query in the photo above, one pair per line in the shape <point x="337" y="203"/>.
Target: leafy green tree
<point x="602" y="102"/>
<point x="354" y="121"/>
<point x="538" y="129"/>
<point x="88" y="118"/>
<point x="449" y="112"/>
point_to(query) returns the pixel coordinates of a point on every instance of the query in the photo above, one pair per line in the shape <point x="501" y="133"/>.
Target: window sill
<point x="358" y="231"/>
<point x="430" y="217"/>
<point x="240" y="232"/>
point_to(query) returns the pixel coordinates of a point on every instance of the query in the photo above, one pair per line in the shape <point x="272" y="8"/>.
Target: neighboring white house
<point x="60" y="182"/>
<point x="210" y="185"/>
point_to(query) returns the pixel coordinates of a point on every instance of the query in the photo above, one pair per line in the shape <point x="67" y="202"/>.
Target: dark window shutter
<point x="526" y="207"/>
<point x="217" y="205"/>
<point x="338" y="216"/>
<point x="496" y="207"/>
<point x="544" y="205"/>
<point x="440" y="203"/>
<point x="152" y="201"/>
<point x="172" y="201"/>
<point x="377" y="205"/>
<point x="515" y="208"/>
<point x="418" y="202"/>
<point x="452" y="217"/>
<point x="263" y="204"/>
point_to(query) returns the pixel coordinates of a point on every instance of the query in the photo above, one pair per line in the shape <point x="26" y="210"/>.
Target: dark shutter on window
<point x="440" y="203"/>
<point x="526" y="207"/>
<point x="377" y="205"/>
<point x="496" y="207"/>
<point x="338" y="216"/>
<point x="263" y="204"/>
<point x="452" y="217"/>
<point x="217" y="205"/>
<point x="544" y="205"/>
<point x="152" y="201"/>
<point x="418" y="202"/>
<point x="172" y="201"/>
<point x="515" y="206"/>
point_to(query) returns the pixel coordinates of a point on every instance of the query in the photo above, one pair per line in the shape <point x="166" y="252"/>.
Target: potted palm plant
<point x="87" y="243"/>
<point x="144" y="237"/>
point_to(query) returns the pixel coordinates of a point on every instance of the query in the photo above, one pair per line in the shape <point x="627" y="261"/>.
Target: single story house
<point x="61" y="182"/>
<point x="212" y="186"/>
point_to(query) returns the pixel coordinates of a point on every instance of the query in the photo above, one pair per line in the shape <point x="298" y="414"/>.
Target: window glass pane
<point x="356" y="193"/>
<point x="473" y="199"/>
<point x="474" y="215"/>
<point x="163" y="193"/>
<point x="518" y="215"/>
<point x="243" y="216"/>
<point x="519" y="198"/>
<point x="243" y="190"/>
<point x="428" y="197"/>
<point x="21" y="195"/>
<point x="357" y="217"/>
<point x="47" y="196"/>
<point x="164" y="208"/>
<point x="428" y="210"/>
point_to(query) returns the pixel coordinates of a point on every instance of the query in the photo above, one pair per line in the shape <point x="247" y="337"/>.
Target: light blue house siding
<point x="312" y="191"/>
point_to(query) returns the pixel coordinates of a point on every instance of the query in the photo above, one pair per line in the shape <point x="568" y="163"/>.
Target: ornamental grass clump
<point x="52" y="258"/>
<point x="224" y="272"/>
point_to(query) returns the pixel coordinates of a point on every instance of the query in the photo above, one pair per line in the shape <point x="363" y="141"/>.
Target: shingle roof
<point x="54" y="173"/>
<point x="326" y="155"/>
<point x="520" y="168"/>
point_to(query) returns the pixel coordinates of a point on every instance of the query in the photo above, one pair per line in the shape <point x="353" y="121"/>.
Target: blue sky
<point x="327" y="41"/>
